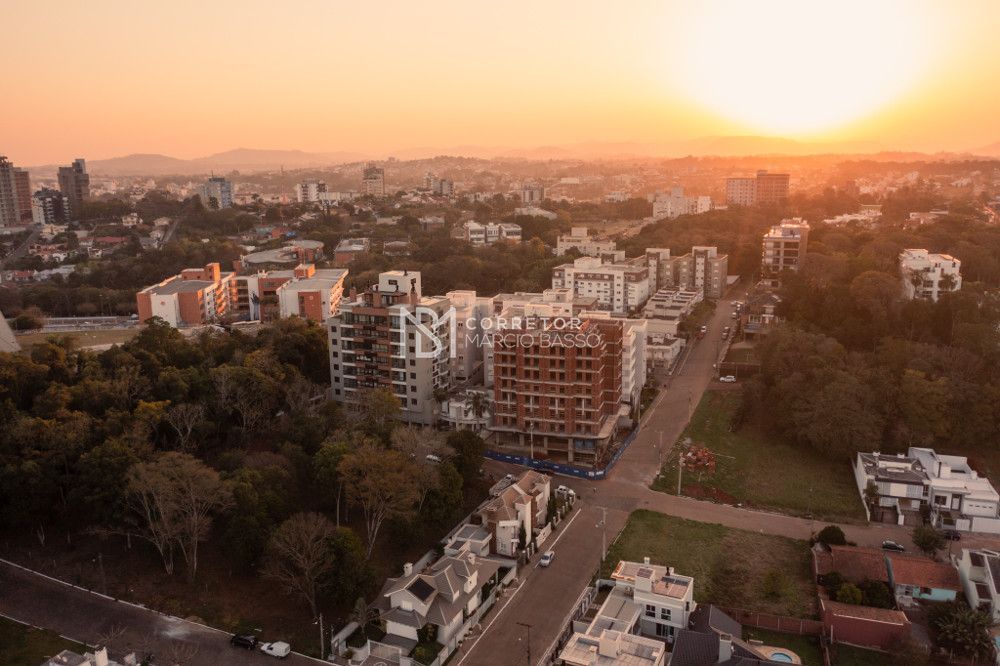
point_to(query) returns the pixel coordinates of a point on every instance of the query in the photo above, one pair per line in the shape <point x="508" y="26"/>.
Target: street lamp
<point x="604" y="533"/>
<point x="322" y="647"/>
<point x="531" y="438"/>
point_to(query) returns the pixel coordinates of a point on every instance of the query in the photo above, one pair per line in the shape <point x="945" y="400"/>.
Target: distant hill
<point x="992" y="150"/>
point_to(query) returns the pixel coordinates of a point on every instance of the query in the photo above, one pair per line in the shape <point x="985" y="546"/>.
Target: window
<point x="650" y="610"/>
<point x="665" y="614"/>
<point x="940" y="500"/>
<point x="413" y="401"/>
<point x="664" y="630"/>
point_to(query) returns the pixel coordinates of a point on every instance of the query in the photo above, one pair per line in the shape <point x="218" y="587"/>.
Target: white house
<point x="521" y="505"/>
<point x="665" y="598"/>
<point x="946" y="486"/>
<point x="979" y="571"/>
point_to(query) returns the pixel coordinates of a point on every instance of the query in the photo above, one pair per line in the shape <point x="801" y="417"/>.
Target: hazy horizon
<point x="190" y="80"/>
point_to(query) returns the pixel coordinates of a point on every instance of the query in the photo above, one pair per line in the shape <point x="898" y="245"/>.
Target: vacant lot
<point x="758" y="470"/>
<point x="731" y="568"/>
<point x="807" y="647"/>
<point x="21" y="645"/>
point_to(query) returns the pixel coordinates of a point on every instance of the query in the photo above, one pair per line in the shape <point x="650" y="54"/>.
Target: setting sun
<point x="794" y="67"/>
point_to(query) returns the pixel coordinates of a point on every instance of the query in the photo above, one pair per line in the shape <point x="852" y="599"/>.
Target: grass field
<point x="21" y="645"/>
<point x="83" y="338"/>
<point x="807" y="647"/>
<point x="845" y="655"/>
<point x="761" y="471"/>
<point x="732" y="568"/>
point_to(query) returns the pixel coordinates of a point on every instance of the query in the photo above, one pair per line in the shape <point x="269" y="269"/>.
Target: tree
<point x="326" y="472"/>
<point x="299" y="556"/>
<point x="832" y="535"/>
<point x="871" y="496"/>
<point x="849" y="593"/>
<point x="176" y="496"/>
<point x="382" y="483"/>
<point x="956" y="627"/>
<point x="469" y="449"/>
<point x="184" y="418"/>
<point x="928" y="540"/>
<point x="377" y="413"/>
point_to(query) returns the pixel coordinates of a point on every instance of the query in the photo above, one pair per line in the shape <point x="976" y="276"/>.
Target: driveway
<point x="93" y="619"/>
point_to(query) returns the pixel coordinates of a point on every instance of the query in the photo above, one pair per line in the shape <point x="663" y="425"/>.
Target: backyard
<point x="731" y="568"/>
<point x="806" y="647"/>
<point x="757" y="470"/>
<point x="848" y="655"/>
<point x="21" y="645"/>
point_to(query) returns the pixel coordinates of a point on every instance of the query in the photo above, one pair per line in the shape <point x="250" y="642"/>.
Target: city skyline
<point x="199" y="80"/>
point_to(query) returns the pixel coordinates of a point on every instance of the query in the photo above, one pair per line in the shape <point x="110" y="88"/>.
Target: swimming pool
<point x="782" y="657"/>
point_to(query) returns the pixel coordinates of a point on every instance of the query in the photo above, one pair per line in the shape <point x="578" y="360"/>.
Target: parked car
<point x="547" y="558"/>
<point x="893" y="546"/>
<point x="509" y="478"/>
<point x="279" y="649"/>
<point x="431" y="458"/>
<point x="952" y="535"/>
<point x="565" y="491"/>
<point x="728" y="379"/>
<point x="248" y="641"/>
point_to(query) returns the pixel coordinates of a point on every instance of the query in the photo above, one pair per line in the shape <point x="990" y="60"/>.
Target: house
<point x="95" y="658"/>
<point x="8" y="343"/>
<point x="611" y="638"/>
<point x="712" y="638"/>
<point x="523" y="505"/>
<point x="911" y="578"/>
<point x="468" y="537"/>
<point x="665" y="598"/>
<point x="864" y="626"/>
<point x="979" y="571"/>
<point x="927" y="275"/>
<point x="441" y="595"/>
<point x="349" y="249"/>
<point x="945" y="486"/>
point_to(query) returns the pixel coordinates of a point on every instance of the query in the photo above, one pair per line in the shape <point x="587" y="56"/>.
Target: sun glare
<point x="802" y="67"/>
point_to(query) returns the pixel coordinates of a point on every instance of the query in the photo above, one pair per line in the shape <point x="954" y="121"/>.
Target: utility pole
<point x="104" y="581"/>
<point x="680" y="469"/>
<point x="531" y="438"/>
<point x="527" y="644"/>
<point x="322" y="646"/>
<point x="604" y="533"/>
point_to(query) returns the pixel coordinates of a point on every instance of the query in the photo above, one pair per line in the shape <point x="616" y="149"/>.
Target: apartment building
<point x="470" y="310"/>
<point x="578" y="239"/>
<point x="666" y="308"/>
<point x="764" y="188"/>
<point x="216" y="192"/>
<point x="487" y="234"/>
<point x="620" y="287"/>
<point x="373" y="180"/>
<point x="946" y="486"/>
<point x="532" y="193"/>
<point x="312" y="293"/>
<point x="378" y="340"/>
<point x="702" y="269"/>
<point x="349" y="249"/>
<point x="634" y="357"/>
<point x="74" y="183"/>
<point x="49" y="206"/>
<point x="309" y="191"/>
<point x="669" y="205"/>
<point x="784" y="246"/>
<point x="927" y="275"/>
<point x="194" y="296"/>
<point x="557" y="388"/>
<point x="439" y="186"/>
<point x="15" y="194"/>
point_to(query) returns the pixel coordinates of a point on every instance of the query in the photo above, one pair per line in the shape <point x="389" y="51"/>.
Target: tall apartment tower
<point x="702" y="269"/>
<point x="764" y="188"/>
<point x="380" y="340"/>
<point x="308" y="191"/>
<point x="373" y="180"/>
<point x="532" y="193"/>
<point x="15" y="194"/>
<point x="217" y="192"/>
<point x="785" y="246"/>
<point x="74" y="183"/>
<point x="555" y="396"/>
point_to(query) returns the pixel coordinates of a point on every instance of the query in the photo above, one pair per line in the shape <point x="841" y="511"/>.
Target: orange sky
<point x="189" y="78"/>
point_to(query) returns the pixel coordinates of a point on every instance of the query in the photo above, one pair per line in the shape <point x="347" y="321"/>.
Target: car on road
<point x="248" y="641"/>
<point x="728" y="379"/>
<point x="431" y="458"/>
<point x="893" y="546"/>
<point x="952" y="535"/>
<point x="547" y="558"/>
<point x="279" y="649"/>
<point x="565" y="491"/>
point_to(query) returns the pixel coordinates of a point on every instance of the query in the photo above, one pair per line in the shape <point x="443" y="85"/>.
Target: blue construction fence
<point x="561" y="468"/>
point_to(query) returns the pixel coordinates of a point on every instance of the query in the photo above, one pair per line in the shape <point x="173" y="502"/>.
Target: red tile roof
<point x="863" y="612"/>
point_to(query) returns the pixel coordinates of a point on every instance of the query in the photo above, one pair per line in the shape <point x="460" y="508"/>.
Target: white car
<point x="566" y="491"/>
<point x="279" y="649"/>
<point x="547" y="558"/>
<point x="728" y="379"/>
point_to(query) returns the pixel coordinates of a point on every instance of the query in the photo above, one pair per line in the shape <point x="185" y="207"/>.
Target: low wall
<point x="562" y="468"/>
<point x="784" y="624"/>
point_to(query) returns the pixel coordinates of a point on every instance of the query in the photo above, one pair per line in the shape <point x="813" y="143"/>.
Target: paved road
<point x="21" y="249"/>
<point x="91" y="618"/>
<point x="548" y="595"/>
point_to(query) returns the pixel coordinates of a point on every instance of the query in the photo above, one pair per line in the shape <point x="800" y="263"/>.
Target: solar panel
<point x="420" y="589"/>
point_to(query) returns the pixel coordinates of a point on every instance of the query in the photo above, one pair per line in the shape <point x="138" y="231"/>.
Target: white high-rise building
<point x="216" y="192"/>
<point x="927" y="275"/>
<point x="487" y="234"/>
<point x="578" y="239"/>
<point x="674" y="204"/>
<point x="620" y="287"/>
<point x="373" y="180"/>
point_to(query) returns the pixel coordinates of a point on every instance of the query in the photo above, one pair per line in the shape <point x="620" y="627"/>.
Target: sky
<point x="191" y="78"/>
